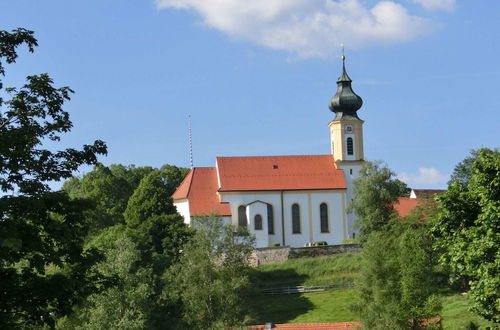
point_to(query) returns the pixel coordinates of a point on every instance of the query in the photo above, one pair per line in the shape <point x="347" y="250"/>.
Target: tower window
<point x="270" y="219"/>
<point x="258" y="222"/>
<point x="295" y="219"/>
<point x="323" y="215"/>
<point x="350" y="147"/>
<point x="242" y="216"/>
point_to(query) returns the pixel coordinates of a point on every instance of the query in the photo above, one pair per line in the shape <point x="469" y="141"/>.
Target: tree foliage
<point x="375" y="192"/>
<point x="467" y="230"/>
<point x="150" y="238"/>
<point x="397" y="283"/>
<point x="212" y="275"/>
<point x="127" y="304"/>
<point x="43" y="266"/>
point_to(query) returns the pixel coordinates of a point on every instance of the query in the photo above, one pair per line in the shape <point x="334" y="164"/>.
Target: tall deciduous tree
<point x="396" y="287"/>
<point x="43" y="266"/>
<point x="376" y="190"/>
<point x="212" y="275"/>
<point x="467" y="229"/>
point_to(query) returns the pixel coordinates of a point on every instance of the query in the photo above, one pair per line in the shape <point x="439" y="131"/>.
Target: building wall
<point x="349" y="168"/>
<point x="261" y="236"/>
<point x="273" y="198"/>
<point x="182" y="207"/>
<point x="309" y="203"/>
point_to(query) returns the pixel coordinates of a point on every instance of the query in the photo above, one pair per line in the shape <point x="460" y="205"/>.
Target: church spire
<point x="345" y="102"/>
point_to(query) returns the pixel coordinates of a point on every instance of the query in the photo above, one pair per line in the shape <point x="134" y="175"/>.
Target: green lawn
<point x="329" y="306"/>
<point x="456" y="316"/>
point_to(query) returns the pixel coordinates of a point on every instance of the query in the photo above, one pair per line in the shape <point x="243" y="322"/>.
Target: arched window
<point x="295" y="219"/>
<point x="242" y="216"/>
<point x="350" y="147"/>
<point x="323" y="215"/>
<point x="270" y="219"/>
<point x="258" y="222"/>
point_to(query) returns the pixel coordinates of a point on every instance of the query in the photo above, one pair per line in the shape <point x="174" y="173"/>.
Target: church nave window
<point x="242" y="216"/>
<point x="257" y="222"/>
<point x="270" y="219"/>
<point x="350" y="146"/>
<point x="323" y="215"/>
<point x="295" y="219"/>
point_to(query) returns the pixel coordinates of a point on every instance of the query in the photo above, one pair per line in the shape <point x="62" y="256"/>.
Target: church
<point x="286" y="200"/>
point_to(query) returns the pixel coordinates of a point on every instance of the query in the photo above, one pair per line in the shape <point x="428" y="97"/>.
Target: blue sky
<point x="257" y="76"/>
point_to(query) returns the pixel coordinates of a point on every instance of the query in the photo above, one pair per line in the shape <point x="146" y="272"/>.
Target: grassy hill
<point x="328" y="306"/>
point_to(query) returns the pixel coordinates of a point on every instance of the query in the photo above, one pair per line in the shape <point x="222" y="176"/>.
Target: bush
<point x="319" y="243"/>
<point x="273" y="245"/>
<point x="350" y="241"/>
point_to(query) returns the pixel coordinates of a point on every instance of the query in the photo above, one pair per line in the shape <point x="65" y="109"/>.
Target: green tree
<point x="152" y="197"/>
<point x="110" y="194"/>
<point x="159" y="233"/>
<point x="127" y="304"/>
<point x="467" y="230"/>
<point x="396" y="285"/>
<point x="376" y="190"/>
<point x="43" y="266"/>
<point x="212" y="275"/>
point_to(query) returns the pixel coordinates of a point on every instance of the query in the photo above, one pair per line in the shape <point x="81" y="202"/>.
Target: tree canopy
<point x="375" y="191"/>
<point x="467" y="230"/>
<point x="212" y="275"/>
<point x="43" y="265"/>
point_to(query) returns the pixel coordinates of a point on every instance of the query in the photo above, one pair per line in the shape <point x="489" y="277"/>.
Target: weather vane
<point x="343" y="55"/>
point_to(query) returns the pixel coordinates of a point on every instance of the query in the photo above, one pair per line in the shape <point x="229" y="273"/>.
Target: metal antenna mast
<point x="190" y="143"/>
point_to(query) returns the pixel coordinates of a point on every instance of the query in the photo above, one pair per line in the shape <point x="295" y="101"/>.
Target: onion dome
<point x="345" y="102"/>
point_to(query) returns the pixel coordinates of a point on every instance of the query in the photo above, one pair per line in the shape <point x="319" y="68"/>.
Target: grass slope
<point x="329" y="306"/>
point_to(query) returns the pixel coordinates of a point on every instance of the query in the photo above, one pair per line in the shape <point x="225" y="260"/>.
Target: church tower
<point x="346" y="136"/>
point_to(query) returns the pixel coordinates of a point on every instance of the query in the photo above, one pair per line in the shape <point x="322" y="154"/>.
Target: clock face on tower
<point x="349" y="129"/>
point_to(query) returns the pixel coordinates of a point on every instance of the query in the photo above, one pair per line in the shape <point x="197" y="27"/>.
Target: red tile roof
<point x="200" y="188"/>
<point x="312" y="326"/>
<point x="405" y="204"/>
<point x="183" y="189"/>
<point x="279" y="173"/>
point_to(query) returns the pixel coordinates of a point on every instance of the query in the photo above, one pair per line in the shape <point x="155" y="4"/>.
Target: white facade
<point x="281" y="201"/>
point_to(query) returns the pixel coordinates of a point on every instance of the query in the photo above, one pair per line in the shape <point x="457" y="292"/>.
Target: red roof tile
<point x="183" y="189"/>
<point x="200" y="188"/>
<point x="312" y="326"/>
<point x="279" y="173"/>
<point x="405" y="204"/>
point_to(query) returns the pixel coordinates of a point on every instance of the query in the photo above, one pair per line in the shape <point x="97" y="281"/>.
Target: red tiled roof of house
<point x="405" y="204"/>
<point x="312" y="326"/>
<point x="200" y="188"/>
<point x="313" y="172"/>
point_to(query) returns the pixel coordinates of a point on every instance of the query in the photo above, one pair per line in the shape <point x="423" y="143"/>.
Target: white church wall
<point x="300" y="198"/>
<point x="351" y="172"/>
<point x="261" y="235"/>
<point x="308" y="201"/>
<point x="183" y="209"/>
<point x="244" y="198"/>
<point x="336" y="216"/>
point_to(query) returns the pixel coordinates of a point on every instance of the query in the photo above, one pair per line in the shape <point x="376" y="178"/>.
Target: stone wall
<point x="262" y="256"/>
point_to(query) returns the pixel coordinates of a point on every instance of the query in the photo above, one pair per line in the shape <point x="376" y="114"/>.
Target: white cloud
<point x="447" y="5"/>
<point x="308" y="28"/>
<point x="425" y="177"/>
